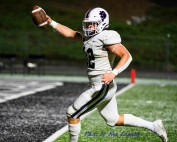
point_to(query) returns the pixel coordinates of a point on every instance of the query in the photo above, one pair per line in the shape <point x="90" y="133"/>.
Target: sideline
<point x="65" y="128"/>
<point x="73" y="78"/>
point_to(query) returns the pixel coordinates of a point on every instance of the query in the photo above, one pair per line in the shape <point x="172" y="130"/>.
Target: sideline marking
<point x="65" y="128"/>
<point x="15" y="96"/>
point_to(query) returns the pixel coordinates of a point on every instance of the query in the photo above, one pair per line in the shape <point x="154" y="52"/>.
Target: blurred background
<point x="148" y="29"/>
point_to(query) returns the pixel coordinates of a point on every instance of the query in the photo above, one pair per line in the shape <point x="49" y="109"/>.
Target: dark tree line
<point x="164" y="11"/>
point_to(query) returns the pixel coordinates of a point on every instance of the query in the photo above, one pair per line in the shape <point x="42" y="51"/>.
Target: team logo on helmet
<point x="102" y="15"/>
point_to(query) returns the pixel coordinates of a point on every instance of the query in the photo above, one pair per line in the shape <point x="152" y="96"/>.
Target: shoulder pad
<point x="111" y="37"/>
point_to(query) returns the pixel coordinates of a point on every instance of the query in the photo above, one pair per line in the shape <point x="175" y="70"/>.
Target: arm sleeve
<point x="111" y="37"/>
<point x="125" y="65"/>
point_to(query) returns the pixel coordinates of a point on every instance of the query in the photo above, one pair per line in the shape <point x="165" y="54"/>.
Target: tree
<point x="164" y="11"/>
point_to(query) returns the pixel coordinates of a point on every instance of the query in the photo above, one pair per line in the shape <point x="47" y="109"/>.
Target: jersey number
<point x="90" y="58"/>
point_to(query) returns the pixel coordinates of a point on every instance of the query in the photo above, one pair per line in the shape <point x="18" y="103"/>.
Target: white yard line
<point x="65" y="128"/>
<point x="15" y="96"/>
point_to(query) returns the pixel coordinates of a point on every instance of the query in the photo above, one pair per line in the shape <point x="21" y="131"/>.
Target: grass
<point x="147" y="101"/>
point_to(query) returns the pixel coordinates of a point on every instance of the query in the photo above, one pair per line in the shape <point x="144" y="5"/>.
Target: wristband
<point x="53" y="24"/>
<point x="115" y="72"/>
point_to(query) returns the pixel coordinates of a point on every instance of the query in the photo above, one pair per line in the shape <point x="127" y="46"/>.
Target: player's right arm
<point x="63" y="30"/>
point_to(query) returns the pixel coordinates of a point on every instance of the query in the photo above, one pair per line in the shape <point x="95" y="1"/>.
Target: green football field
<point x="147" y="100"/>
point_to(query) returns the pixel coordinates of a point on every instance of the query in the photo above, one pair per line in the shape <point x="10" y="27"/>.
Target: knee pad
<point x="109" y="111"/>
<point x="70" y="111"/>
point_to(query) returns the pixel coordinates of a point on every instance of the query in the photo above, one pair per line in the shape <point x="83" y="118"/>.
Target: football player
<point x="101" y="47"/>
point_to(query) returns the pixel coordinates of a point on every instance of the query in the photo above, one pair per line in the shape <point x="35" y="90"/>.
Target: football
<point x="38" y="16"/>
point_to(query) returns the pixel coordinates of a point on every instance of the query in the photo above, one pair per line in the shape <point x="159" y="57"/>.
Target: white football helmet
<point x="96" y="16"/>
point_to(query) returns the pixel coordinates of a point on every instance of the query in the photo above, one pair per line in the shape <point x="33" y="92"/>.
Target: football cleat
<point x="160" y="130"/>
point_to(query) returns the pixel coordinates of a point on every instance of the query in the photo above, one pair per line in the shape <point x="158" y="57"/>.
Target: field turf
<point x="146" y="100"/>
<point x="36" y="117"/>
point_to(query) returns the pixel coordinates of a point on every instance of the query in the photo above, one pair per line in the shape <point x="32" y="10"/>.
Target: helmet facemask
<point x="91" y="28"/>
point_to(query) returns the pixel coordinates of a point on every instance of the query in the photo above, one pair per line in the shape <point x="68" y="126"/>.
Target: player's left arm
<point x="125" y="58"/>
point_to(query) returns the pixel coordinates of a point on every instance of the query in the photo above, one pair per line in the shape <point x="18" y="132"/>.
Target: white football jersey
<point x="100" y="59"/>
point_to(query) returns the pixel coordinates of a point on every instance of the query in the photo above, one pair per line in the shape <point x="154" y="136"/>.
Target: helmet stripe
<point x="88" y="12"/>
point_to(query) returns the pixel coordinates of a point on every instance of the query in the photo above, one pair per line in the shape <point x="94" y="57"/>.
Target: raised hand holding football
<point x="38" y="16"/>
